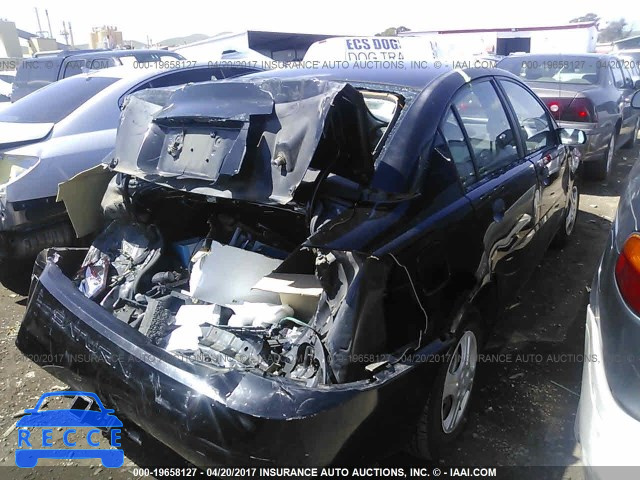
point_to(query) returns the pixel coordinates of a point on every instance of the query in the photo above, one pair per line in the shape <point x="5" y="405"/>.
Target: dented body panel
<point x="375" y="212"/>
<point x="210" y="418"/>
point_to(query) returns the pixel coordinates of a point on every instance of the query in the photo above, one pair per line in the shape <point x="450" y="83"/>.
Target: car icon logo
<point x="32" y="447"/>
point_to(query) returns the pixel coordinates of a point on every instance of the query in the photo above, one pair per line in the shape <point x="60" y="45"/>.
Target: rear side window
<point x="458" y="149"/>
<point x="554" y="68"/>
<point x="533" y="120"/>
<point x="40" y="70"/>
<point x="486" y="125"/>
<point x="54" y="102"/>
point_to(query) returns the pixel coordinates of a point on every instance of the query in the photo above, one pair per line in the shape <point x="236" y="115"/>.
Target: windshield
<point x="56" y="101"/>
<point x="554" y="69"/>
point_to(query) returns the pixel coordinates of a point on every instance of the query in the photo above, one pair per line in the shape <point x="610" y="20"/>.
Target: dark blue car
<point x="396" y="211"/>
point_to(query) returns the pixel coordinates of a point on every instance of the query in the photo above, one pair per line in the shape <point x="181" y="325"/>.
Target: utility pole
<point x="46" y="12"/>
<point x="73" y="44"/>
<point x="64" y="33"/>
<point x="40" y="31"/>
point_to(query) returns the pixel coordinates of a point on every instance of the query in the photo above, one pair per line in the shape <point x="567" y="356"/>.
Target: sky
<point x="165" y="19"/>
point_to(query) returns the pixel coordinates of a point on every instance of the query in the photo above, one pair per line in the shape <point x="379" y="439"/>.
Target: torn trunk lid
<point x="254" y="139"/>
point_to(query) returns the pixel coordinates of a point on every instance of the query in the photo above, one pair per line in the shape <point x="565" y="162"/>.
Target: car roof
<point x="561" y="54"/>
<point x="414" y="78"/>
<point x="125" y="53"/>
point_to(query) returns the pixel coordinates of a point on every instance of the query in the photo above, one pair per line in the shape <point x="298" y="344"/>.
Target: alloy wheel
<point x="458" y="381"/>
<point x="573" y="211"/>
<point x="611" y="151"/>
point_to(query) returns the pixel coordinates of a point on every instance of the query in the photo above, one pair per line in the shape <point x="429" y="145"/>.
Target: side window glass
<point x="441" y="174"/>
<point x="100" y="63"/>
<point x="483" y="118"/>
<point x="618" y="81"/>
<point x="73" y="67"/>
<point x="532" y="118"/>
<point x="185" y="76"/>
<point x="628" y="82"/>
<point x="457" y="148"/>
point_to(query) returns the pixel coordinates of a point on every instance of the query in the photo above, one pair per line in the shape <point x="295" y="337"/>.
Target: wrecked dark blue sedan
<point x="290" y="265"/>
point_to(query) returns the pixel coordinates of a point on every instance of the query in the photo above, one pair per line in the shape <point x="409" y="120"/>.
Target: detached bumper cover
<point x="209" y="416"/>
<point x="607" y="434"/>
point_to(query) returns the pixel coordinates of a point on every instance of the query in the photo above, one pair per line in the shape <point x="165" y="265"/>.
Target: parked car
<point x="6" y="81"/>
<point x="286" y="277"/>
<point x="587" y="91"/>
<point x="59" y="131"/>
<point x="608" y="418"/>
<point x="37" y="72"/>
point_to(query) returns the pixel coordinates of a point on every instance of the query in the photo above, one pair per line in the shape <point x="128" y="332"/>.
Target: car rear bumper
<point x="209" y="416"/>
<point x="607" y="434"/>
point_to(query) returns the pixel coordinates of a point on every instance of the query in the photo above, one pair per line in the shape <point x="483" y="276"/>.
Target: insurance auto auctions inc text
<point x="366" y="472"/>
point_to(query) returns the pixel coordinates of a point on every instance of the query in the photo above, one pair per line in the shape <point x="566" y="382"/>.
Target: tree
<point x="615" y="30"/>
<point x="392" y="31"/>
<point x="589" y="17"/>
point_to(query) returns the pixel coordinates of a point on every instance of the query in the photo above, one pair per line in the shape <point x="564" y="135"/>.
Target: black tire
<point x="430" y="440"/>
<point x="634" y="137"/>
<point x="600" y="169"/>
<point x="567" y="228"/>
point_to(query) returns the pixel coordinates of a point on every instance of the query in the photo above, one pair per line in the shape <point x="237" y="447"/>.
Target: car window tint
<point x="73" y="67"/>
<point x="38" y="70"/>
<point x="485" y="122"/>
<point x="618" y="80"/>
<point x="55" y="101"/>
<point x="440" y="172"/>
<point x="626" y="73"/>
<point x="533" y="120"/>
<point x="100" y="63"/>
<point x="183" y="76"/>
<point x="458" y="149"/>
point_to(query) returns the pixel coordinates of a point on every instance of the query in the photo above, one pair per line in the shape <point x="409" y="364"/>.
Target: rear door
<point x="629" y="114"/>
<point x="499" y="180"/>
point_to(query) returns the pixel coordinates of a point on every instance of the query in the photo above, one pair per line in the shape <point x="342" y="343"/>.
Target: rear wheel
<point x="599" y="169"/>
<point x="445" y="412"/>
<point x="634" y="136"/>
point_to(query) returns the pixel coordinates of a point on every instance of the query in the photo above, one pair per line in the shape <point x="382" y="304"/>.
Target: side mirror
<point x="635" y="100"/>
<point x="636" y="85"/>
<point x="572" y="136"/>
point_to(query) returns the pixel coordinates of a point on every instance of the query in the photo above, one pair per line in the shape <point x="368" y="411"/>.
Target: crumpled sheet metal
<point x="237" y="139"/>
